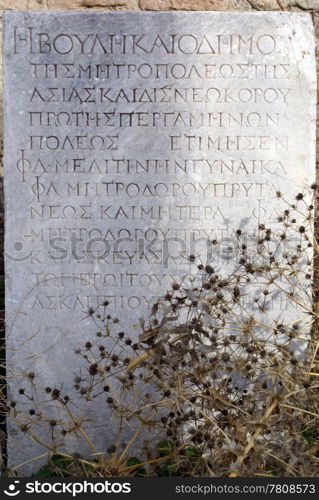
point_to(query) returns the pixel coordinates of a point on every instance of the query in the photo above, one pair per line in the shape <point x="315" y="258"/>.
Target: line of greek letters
<point x="164" y="94"/>
<point x="154" y="212"/>
<point x="154" y="166"/>
<point x="64" y="44"/>
<point x="135" y="234"/>
<point x="165" y="190"/>
<point x="176" y="71"/>
<point x="74" y="142"/>
<point x="85" y="279"/>
<point x="196" y="142"/>
<point x="252" y="119"/>
<point x="111" y="212"/>
<point x="60" y="255"/>
<point x="84" y="302"/>
<point x="178" y="142"/>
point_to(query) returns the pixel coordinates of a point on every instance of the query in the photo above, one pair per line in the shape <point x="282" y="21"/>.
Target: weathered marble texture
<point x="125" y="127"/>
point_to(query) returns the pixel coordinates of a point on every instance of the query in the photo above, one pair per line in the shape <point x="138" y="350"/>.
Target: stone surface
<point x="62" y="4"/>
<point x="201" y="5"/>
<point x="185" y="125"/>
<point x="191" y="5"/>
<point x="155" y="4"/>
<point x="266" y="4"/>
<point x="308" y="4"/>
<point x="23" y="4"/>
<point x="240" y="5"/>
<point x="78" y="4"/>
<point x="218" y="4"/>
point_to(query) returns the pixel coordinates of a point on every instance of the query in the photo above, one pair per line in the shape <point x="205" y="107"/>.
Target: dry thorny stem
<point x="228" y="381"/>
